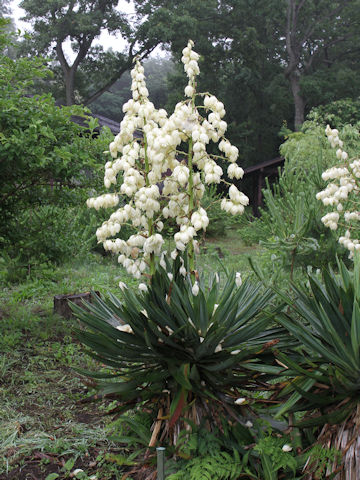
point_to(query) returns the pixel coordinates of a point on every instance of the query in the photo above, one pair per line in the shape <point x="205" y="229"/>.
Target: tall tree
<point x="317" y="34"/>
<point x="81" y="22"/>
<point x="314" y="44"/>
<point x="240" y="64"/>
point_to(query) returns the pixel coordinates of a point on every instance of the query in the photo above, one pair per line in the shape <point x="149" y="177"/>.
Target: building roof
<point x="268" y="163"/>
<point x="115" y="127"/>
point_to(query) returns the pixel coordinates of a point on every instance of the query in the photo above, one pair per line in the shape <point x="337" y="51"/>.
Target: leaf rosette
<point x="185" y="355"/>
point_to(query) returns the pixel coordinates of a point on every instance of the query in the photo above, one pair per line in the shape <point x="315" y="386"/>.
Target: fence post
<point x="160" y="463"/>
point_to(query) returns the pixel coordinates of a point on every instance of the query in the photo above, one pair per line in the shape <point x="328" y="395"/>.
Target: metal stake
<point x="160" y="463"/>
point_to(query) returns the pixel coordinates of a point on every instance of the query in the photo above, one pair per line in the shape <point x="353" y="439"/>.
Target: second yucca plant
<point x="325" y="373"/>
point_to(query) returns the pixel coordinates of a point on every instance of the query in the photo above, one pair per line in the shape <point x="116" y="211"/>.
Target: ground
<point x="45" y="426"/>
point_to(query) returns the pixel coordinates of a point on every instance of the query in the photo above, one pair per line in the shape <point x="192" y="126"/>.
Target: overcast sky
<point x="106" y="40"/>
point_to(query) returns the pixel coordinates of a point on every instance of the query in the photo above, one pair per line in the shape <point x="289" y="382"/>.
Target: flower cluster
<point x="237" y="202"/>
<point x="340" y="193"/>
<point x="158" y="180"/>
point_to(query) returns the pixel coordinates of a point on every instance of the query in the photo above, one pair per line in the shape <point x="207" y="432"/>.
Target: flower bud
<point x="195" y="289"/>
<point x="189" y="91"/>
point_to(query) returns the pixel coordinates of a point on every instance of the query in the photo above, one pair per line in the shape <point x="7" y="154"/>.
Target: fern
<point x="270" y="450"/>
<point x="320" y="458"/>
<point x="199" y="442"/>
<point x="221" y="466"/>
<point x="210" y="456"/>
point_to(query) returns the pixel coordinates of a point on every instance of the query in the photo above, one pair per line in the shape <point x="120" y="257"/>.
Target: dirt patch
<point x="86" y="418"/>
<point x="40" y="465"/>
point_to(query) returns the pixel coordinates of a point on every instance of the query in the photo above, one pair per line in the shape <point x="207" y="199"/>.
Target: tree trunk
<point x="69" y="74"/>
<point x="299" y="102"/>
<point x="293" y="48"/>
<point x="69" y="86"/>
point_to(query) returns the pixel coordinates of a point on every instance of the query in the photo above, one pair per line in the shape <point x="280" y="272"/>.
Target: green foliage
<point x="182" y="350"/>
<point x="322" y="458"/>
<point x="6" y="33"/>
<point x="290" y="226"/>
<point x="218" y="466"/>
<point x="317" y="66"/>
<point x="326" y="323"/>
<point x="255" y="62"/>
<point x="292" y="218"/>
<point x="220" y="455"/>
<point x="337" y="114"/>
<point x="250" y="228"/>
<point x="78" y="22"/>
<point x="156" y="71"/>
<point x="43" y="238"/>
<point x="204" y="455"/>
<point x="48" y="166"/>
<point x="273" y="458"/>
<point x="52" y="476"/>
<point x="262" y="99"/>
<point x="132" y="430"/>
<point x="94" y="70"/>
<point x="198" y="442"/>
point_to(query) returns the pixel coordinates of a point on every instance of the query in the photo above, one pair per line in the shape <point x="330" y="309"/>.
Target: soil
<point x="40" y="465"/>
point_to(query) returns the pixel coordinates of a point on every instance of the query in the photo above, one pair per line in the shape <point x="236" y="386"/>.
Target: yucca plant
<point x="183" y="355"/>
<point x="325" y="372"/>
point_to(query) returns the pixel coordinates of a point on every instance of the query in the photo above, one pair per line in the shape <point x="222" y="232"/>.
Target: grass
<point x="45" y="430"/>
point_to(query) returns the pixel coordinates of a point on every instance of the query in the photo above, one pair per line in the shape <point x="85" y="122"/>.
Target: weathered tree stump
<point x="61" y="303"/>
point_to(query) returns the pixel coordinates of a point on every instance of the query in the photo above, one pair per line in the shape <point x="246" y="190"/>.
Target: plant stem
<point x="150" y="220"/>
<point x="191" y="252"/>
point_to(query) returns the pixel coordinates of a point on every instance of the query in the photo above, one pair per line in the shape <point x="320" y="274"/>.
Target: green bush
<point x="290" y="227"/>
<point x="337" y="114"/>
<point x="49" y="165"/>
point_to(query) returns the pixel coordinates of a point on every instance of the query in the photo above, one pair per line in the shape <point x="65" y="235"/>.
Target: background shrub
<point x="49" y="166"/>
<point x="290" y="227"/>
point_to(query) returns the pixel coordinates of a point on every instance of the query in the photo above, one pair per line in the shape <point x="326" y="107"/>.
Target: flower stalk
<point x="157" y="185"/>
<point x="341" y="193"/>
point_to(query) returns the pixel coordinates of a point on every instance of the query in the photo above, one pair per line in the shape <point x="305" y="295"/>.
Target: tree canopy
<point x="156" y="71"/>
<point x="44" y="155"/>
<point x="271" y="62"/>
<point x="81" y="22"/>
<point x="321" y="39"/>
